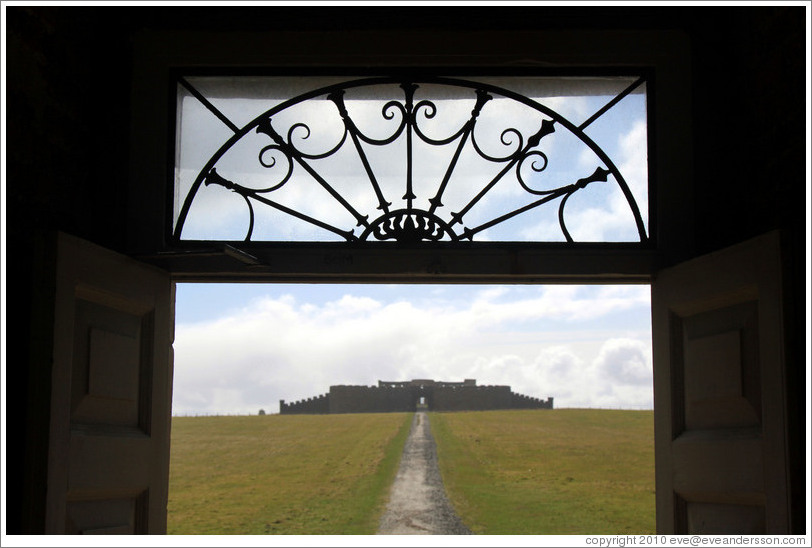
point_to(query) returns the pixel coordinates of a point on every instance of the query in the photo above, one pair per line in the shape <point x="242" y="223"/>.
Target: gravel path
<point x="417" y="502"/>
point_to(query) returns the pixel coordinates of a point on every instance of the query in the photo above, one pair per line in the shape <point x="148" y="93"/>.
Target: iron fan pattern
<point x="409" y="224"/>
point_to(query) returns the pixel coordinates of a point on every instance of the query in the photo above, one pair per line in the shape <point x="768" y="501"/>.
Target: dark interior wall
<point x="67" y="145"/>
<point x="68" y="117"/>
<point x="749" y="151"/>
<point x="67" y="98"/>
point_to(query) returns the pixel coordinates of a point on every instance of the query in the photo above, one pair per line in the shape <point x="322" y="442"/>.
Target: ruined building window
<point x="394" y="159"/>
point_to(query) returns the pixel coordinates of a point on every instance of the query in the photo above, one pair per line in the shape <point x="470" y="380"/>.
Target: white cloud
<point x="540" y="342"/>
<point x="601" y="212"/>
<point x="625" y="361"/>
<point x="634" y="165"/>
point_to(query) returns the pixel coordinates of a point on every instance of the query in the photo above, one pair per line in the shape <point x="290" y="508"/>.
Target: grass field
<point x="566" y="471"/>
<point x="283" y="474"/>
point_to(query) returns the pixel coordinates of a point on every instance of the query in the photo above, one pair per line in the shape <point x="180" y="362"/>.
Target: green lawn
<point x="283" y="474"/>
<point x="565" y="471"/>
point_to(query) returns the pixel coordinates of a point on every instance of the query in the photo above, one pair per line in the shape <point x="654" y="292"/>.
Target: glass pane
<point x="332" y="159"/>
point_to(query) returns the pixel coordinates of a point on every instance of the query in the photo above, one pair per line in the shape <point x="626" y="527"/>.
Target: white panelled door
<point x="720" y="425"/>
<point x="111" y="393"/>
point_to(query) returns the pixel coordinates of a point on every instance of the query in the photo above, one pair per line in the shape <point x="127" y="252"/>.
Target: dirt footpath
<point x="417" y="502"/>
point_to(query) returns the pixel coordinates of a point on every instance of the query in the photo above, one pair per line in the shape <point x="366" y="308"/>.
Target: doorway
<point x="354" y="334"/>
<point x="680" y="297"/>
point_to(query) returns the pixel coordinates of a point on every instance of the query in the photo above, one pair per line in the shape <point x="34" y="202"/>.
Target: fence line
<point x="219" y="414"/>
<point x="609" y="408"/>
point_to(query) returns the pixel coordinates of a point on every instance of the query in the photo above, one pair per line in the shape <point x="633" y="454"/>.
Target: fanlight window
<point x="544" y="159"/>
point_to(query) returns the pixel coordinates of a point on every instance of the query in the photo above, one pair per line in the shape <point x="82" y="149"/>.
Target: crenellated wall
<point x="320" y="405"/>
<point x="404" y="396"/>
<point x="519" y="401"/>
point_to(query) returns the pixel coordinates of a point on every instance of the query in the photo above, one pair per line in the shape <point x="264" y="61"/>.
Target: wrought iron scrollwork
<point x="409" y="224"/>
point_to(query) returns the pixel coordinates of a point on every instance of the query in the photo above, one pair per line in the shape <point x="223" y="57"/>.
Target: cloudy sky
<point x="243" y="347"/>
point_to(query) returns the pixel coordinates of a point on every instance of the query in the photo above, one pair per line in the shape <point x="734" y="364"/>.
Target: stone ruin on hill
<point x="413" y="395"/>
